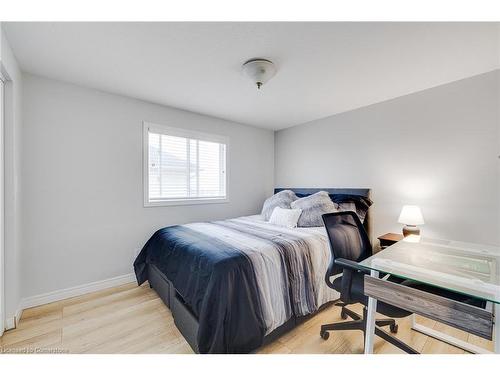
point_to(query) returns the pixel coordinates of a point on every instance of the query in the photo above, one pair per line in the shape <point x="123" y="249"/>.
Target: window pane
<point x="184" y="168"/>
<point x="174" y="167"/>
<point x="193" y="171"/>
<point x="154" y="166"/>
<point x="210" y="171"/>
<point x="223" y="169"/>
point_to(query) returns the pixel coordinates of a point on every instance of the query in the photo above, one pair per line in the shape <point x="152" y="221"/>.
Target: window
<point x="183" y="167"/>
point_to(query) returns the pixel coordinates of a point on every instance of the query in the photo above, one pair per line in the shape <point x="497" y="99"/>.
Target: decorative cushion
<point x="285" y="217"/>
<point x="345" y="202"/>
<point x="347" y="206"/>
<point x="282" y="199"/>
<point x="313" y="207"/>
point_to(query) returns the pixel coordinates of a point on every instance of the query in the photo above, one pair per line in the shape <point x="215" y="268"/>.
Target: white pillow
<point x="285" y="217"/>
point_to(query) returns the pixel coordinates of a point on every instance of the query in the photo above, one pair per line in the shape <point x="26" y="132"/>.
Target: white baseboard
<point x="11" y="322"/>
<point x="75" y="291"/>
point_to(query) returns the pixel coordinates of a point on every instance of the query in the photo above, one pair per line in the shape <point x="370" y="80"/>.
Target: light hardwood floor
<point x="131" y="319"/>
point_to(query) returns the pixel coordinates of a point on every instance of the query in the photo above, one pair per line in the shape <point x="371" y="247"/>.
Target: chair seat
<point x="358" y="296"/>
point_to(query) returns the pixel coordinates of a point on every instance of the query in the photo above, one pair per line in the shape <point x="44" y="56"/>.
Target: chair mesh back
<point x="348" y="238"/>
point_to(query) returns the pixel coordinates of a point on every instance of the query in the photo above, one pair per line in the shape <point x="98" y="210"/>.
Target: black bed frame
<point x="186" y="321"/>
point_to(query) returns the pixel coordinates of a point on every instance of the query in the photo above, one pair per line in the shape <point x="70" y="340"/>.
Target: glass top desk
<point x="469" y="269"/>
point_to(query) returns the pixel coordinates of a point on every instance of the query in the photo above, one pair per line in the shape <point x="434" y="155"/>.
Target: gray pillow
<point x="282" y="199"/>
<point x="351" y="206"/>
<point x="313" y="206"/>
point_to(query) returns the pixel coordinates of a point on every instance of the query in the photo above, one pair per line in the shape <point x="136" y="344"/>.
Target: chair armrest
<point x="349" y="269"/>
<point x="349" y="264"/>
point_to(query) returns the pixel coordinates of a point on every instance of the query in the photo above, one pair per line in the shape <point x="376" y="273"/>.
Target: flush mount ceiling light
<point x="259" y="70"/>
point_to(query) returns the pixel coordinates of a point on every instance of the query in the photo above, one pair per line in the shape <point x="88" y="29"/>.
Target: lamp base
<point x="411" y="229"/>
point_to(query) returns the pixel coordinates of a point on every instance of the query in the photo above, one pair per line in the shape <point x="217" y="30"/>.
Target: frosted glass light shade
<point x="411" y="215"/>
<point x="259" y="70"/>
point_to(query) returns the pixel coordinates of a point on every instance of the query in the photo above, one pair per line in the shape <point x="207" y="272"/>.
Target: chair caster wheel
<point x="343" y="315"/>
<point x="325" y="335"/>
<point x="394" y="328"/>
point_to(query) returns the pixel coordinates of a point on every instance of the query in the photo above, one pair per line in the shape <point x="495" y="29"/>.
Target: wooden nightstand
<point x="389" y="239"/>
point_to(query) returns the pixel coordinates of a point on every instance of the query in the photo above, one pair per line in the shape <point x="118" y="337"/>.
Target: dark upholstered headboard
<point x="347" y="191"/>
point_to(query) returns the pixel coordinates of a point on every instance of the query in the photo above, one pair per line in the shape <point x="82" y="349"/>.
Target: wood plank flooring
<point x="132" y="319"/>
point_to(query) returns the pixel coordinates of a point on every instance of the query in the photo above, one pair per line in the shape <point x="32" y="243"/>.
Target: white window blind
<point x="184" y="166"/>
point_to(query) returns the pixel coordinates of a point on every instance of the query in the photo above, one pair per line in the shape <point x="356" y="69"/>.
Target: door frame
<point x="2" y="205"/>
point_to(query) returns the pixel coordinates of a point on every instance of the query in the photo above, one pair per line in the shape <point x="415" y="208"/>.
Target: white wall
<point x="498" y="120"/>
<point x="437" y="148"/>
<point x="83" y="213"/>
<point x="12" y="159"/>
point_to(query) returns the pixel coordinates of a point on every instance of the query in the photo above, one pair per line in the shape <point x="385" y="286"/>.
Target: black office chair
<point x="349" y="244"/>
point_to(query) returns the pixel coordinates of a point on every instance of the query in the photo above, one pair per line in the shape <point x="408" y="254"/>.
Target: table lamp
<point x="411" y="216"/>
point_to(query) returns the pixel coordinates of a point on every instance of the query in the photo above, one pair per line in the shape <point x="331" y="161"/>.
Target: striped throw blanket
<point x="241" y="277"/>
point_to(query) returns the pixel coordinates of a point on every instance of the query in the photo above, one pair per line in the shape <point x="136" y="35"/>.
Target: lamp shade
<point x="411" y="215"/>
<point x="259" y="70"/>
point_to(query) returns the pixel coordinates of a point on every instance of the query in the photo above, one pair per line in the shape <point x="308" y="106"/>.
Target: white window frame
<point x="185" y="133"/>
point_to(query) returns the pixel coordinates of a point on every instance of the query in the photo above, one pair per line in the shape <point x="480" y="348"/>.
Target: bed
<point x="236" y="284"/>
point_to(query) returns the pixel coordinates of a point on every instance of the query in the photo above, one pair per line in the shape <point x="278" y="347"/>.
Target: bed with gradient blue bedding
<point x="242" y="278"/>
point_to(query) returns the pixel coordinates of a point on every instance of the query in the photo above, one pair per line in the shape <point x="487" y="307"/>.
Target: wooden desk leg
<point x="370" y="320"/>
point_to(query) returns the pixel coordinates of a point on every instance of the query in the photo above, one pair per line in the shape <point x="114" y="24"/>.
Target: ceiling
<point x="323" y="68"/>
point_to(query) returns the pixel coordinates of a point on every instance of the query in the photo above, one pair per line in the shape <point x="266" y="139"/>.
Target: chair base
<point x="359" y="323"/>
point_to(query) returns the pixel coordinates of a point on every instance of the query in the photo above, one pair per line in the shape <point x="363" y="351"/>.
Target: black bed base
<point x="185" y="320"/>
